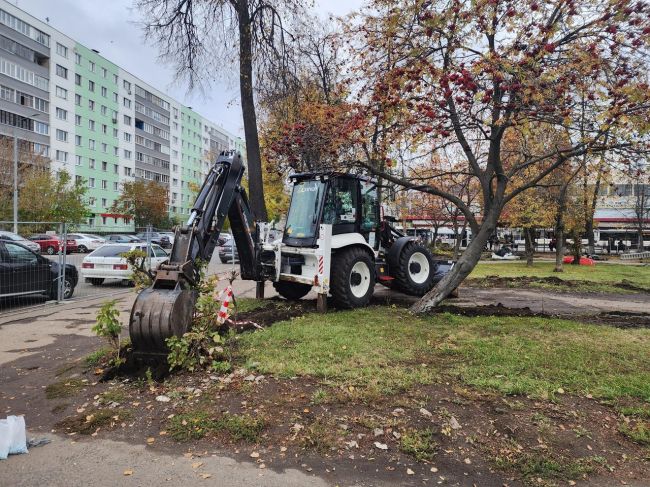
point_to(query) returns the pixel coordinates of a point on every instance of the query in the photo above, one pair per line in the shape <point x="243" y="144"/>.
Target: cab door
<point x="7" y="284"/>
<point x="341" y="205"/>
<point x="369" y="226"/>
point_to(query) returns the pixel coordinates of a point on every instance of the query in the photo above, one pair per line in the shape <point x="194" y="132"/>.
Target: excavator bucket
<point x="158" y="314"/>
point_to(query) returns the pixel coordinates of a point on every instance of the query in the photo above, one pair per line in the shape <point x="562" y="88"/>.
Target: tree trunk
<point x="559" y="249"/>
<point x="463" y="267"/>
<point x="530" y="247"/>
<point x="459" y="239"/>
<point x="591" y="241"/>
<point x="253" y="155"/>
<point x="435" y="237"/>
<point x="577" y="248"/>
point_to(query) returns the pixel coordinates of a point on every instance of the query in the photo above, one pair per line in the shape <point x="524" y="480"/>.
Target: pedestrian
<point x="552" y="244"/>
<point x="621" y="246"/>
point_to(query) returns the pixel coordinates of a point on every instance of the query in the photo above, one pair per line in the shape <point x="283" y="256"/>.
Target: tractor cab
<point x="347" y="202"/>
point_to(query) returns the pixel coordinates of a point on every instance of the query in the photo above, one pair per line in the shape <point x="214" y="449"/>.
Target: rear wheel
<point x="353" y="278"/>
<point x="82" y="249"/>
<point x="50" y="250"/>
<point x="291" y="290"/>
<point x="96" y="281"/>
<point x="415" y="270"/>
<point x="68" y="289"/>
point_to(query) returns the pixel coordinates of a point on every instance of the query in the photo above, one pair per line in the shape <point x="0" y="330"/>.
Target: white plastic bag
<point x="17" y="434"/>
<point x="5" y="438"/>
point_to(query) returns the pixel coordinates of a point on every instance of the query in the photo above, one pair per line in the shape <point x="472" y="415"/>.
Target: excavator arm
<point x="166" y="308"/>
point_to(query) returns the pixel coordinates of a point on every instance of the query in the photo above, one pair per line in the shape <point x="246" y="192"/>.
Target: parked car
<point x="86" y="242"/>
<point x="24" y="272"/>
<point x="223" y="238"/>
<point x="228" y="252"/>
<point x="14" y="237"/>
<point x="155" y="237"/>
<point x="170" y="235"/>
<point x="107" y="262"/>
<point x="122" y="239"/>
<point x="53" y="244"/>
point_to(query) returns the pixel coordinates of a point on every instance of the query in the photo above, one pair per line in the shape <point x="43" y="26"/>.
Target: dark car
<point x="23" y="272"/>
<point x="155" y="237"/>
<point x="228" y="252"/>
<point x="122" y="239"/>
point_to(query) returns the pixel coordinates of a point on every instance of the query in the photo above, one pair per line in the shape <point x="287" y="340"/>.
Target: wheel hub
<point x="360" y="279"/>
<point x="355" y="279"/>
<point x="418" y="267"/>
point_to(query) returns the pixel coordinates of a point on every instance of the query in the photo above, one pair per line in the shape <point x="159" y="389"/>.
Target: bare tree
<point x="206" y="37"/>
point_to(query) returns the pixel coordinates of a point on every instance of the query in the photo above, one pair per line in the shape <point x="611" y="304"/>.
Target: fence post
<point x="149" y="249"/>
<point x="65" y="257"/>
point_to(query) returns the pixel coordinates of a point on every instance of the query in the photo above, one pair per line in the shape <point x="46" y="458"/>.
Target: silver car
<point x="14" y="237"/>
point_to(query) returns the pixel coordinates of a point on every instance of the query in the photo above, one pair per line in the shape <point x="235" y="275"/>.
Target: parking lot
<point x="85" y="290"/>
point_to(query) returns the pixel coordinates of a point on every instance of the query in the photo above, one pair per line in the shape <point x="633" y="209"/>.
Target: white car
<point x="86" y="242"/>
<point x="107" y="262"/>
<point x="14" y="237"/>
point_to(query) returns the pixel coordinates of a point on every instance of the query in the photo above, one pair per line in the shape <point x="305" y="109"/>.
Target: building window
<point x="104" y="166"/>
<point x="91" y="105"/>
<point x="77" y="120"/>
<point x="104" y="148"/>
<point x="61" y="92"/>
<point x="104" y="129"/>
<point x="116" y="151"/>
<point x="77" y="58"/>
<point x="104" y="72"/>
<point x="127" y="102"/>
<point x="61" y="71"/>
<point x="103" y="110"/>
<point x="116" y="169"/>
<point x="104" y="92"/>
<point x="41" y="128"/>
<point x="115" y="79"/>
<point x="61" y="50"/>
<point x="61" y="135"/>
<point x="127" y="154"/>
<point x="91" y="184"/>
<point x="91" y="86"/>
<point x="61" y="114"/>
<point x="104" y="202"/>
<point x="127" y="137"/>
<point x="127" y="171"/>
<point x="104" y="184"/>
<point x="127" y="120"/>
<point x="91" y="125"/>
<point x="91" y="163"/>
<point x="126" y="85"/>
<point x="77" y="100"/>
<point x="116" y="186"/>
<point x="103" y="220"/>
<point x="61" y="156"/>
<point x="115" y="97"/>
<point x="91" y="144"/>
<point x="77" y="140"/>
<point x="115" y="133"/>
<point x="79" y="161"/>
<point x="77" y="79"/>
<point x="91" y="66"/>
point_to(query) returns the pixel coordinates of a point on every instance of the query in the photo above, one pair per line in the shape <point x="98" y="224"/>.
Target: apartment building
<point x="97" y="121"/>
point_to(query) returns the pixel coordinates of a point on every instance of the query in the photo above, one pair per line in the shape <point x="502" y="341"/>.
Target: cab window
<point x="341" y="202"/>
<point x="368" y="206"/>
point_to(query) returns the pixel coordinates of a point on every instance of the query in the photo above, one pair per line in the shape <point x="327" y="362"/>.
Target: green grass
<point x="640" y="432"/>
<point x="389" y="350"/>
<point x="96" y="357"/>
<point x="244" y="305"/>
<point x="600" y="277"/>
<point x="419" y="444"/>
<point x="196" y="424"/>
<point x="64" y="388"/>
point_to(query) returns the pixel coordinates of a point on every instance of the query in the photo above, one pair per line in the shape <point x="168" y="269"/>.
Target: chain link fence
<point x="47" y="262"/>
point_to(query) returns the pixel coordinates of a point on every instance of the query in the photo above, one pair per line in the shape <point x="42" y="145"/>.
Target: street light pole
<point x="15" y="182"/>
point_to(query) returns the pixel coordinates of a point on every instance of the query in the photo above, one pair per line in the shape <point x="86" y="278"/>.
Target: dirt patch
<point x="276" y="310"/>
<point x="567" y="285"/>
<point x="620" y="319"/>
<point x="486" y="310"/>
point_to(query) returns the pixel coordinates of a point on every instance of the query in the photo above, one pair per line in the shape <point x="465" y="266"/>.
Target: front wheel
<point x="416" y="270"/>
<point x="68" y="289"/>
<point x="292" y="291"/>
<point x="82" y="249"/>
<point x="353" y="278"/>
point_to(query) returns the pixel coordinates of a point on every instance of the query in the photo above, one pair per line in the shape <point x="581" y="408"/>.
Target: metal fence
<point x="47" y="262"/>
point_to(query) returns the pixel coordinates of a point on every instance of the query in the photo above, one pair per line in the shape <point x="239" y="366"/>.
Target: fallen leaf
<point x="467" y="461"/>
<point x="454" y="424"/>
<point x="150" y="440"/>
<point x="283" y="448"/>
<point x="262" y="465"/>
<point x="381" y="446"/>
<point x="426" y="412"/>
<point x="434" y="469"/>
<point x="255" y="455"/>
<point x="560" y="390"/>
<point x="409" y="472"/>
<point x="128" y="472"/>
<point x="162" y="433"/>
<point x="197" y="464"/>
<point x="162" y="399"/>
<point x="206" y="475"/>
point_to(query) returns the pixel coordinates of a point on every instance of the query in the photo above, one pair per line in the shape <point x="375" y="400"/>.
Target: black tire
<point x="292" y="291"/>
<point x="82" y="249"/>
<point x="96" y="281"/>
<point x="411" y="263"/>
<point x="343" y="279"/>
<point x="50" y="250"/>
<point x="68" y="289"/>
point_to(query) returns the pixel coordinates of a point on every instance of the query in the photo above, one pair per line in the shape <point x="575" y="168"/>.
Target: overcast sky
<point x="108" y="26"/>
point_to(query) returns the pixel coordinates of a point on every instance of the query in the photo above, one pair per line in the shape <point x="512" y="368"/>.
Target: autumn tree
<point x="145" y="202"/>
<point x="203" y="37"/>
<point x="467" y="73"/>
<point x="641" y="201"/>
<point x="47" y="197"/>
